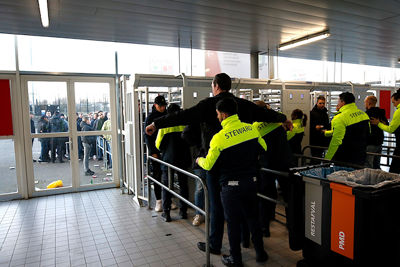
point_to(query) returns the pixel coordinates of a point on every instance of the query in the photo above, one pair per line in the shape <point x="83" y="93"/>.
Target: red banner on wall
<point x="385" y="101"/>
<point x="6" y="126"/>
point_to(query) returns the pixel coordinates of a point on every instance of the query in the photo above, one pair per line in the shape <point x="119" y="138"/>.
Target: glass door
<point x="12" y="167"/>
<point x="61" y="156"/>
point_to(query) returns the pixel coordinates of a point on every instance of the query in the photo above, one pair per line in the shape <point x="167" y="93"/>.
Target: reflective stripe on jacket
<point x="350" y="130"/>
<point x="234" y="150"/>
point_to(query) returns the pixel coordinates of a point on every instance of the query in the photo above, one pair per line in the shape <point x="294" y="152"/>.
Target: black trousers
<point x="155" y="169"/>
<point x="183" y="190"/>
<point x="56" y="147"/>
<point x="240" y="201"/>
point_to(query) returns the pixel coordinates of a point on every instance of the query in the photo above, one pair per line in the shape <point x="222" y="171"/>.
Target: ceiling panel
<point x="364" y="32"/>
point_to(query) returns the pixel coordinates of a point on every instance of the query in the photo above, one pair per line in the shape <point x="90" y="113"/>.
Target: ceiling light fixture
<point x="44" y="12"/>
<point x="304" y="40"/>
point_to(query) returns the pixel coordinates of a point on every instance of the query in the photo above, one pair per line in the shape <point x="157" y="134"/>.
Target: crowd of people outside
<point x="230" y="138"/>
<point x="56" y="149"/>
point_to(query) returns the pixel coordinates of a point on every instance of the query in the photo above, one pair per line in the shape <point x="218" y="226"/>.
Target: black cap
<point x="160" y="100"/>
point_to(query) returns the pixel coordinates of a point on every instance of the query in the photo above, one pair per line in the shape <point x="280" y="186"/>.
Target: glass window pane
<point x="7" y="53"/>
<point x="92" y="169"/>
<point x="93" y="99"/>
<point x="48" y="106"/>
<point x="8" y="175"/>
<point x="51" y="162"/>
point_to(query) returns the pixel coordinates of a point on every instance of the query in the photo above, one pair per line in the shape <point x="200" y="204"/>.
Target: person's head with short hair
<point x="226" y="107"/>
<point x="262" y="104"/>
<point x="95" y="116"/>
<point x="160" y="104"/>
<point x="173" y="108"/>
<point x="86" y="118"/>
<point x="48" y="114"/>
<point x="221" y="83"/>
<point x="321" y="102"/>
<point x="396" y="98"/>
<point x="370" y="102"/>
<point x="100" y="114"/>
<point x="31" y="115"/>
<point x="298" y="114"/>
<point x="344" y="99"/>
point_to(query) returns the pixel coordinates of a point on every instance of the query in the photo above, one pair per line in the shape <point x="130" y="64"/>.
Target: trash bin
<point x="360" y="218"/>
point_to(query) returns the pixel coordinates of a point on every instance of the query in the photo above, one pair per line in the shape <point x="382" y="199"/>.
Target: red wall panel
<point x="385" y="101"/>
<point x="6" y="126"/>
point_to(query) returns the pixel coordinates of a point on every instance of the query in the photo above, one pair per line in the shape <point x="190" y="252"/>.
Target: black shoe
<point x="166" y="217"/>
<point x="88" y="173"/>
<point x="183" y="215"/>
<point x="202" y="247"/>
<point x="92" y="172"/>
<point x="228" y="261"/>
<point x="262" y="257"/>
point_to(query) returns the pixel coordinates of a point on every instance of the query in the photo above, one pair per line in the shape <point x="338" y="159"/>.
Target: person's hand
<point x="374" y="121"/>
<point x="155" y="156"/>
<point x="319" y="127"/>
<point x="287" y="125"/>
<point x="197" y="160"/>
<point x="323" y="131"/>
<point x="150" y="129"/>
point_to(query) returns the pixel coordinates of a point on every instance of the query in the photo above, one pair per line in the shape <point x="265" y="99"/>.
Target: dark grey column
<point x="254" y="65"/>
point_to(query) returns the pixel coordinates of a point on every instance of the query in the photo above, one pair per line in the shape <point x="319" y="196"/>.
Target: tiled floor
<point x="105" y="228"/>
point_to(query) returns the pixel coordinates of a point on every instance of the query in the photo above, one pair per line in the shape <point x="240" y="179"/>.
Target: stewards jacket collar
<point x="398" y="106"/>
<point x="348" y="107"/>
<point x="229" y="120"/>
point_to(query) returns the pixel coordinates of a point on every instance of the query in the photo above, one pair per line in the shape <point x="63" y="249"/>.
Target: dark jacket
<point x="174" y="149"/>
<point x="57" y="125"/>
<point x="192" y="135"/>
<point x="87" y="139"/>
<point x="204" y="114"/>
<point x="376" y="136"/>
<point x="278" y="155"/>
<point x="32" y="126"/>
<point x="99" y="124"/>
<point x="43" y="127"/>
<point x="151" y="139"/>
<point x="319" y="117"/>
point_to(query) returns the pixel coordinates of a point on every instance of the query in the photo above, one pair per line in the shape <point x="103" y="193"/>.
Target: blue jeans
<point x="199" y="193"/>
<point x="216" y="212"/>
<point x="99" y="146"/>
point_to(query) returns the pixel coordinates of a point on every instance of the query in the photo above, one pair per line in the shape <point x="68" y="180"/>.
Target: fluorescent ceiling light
<point x="44" y="13"/>
<point x="304" y="40"/>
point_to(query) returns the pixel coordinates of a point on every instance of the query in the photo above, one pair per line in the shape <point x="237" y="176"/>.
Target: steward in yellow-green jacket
<point x="393" y="127"/>
<point x="233" y="156"/>
<point x="350" y="130"/>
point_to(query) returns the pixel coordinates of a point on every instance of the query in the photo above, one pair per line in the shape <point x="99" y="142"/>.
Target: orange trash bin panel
<point x="342" y="220"/>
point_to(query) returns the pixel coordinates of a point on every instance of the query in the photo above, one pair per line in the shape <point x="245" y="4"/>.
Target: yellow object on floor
<point x="55" y="184"/>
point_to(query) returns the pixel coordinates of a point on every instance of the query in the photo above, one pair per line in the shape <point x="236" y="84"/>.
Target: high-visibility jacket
<point x="393" y="127"/>
<point x="350" y="130"/>
<point x="174" y="149"/>
<point x="234" y="151"/>
<point x="295" y="136"/>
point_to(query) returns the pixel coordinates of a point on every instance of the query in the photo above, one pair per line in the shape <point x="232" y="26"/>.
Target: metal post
<point x="170" y="179"/>
<point x="254" y="72"/>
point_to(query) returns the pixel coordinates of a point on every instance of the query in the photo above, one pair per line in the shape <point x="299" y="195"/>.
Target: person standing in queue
<point x="350" y="131"/>
<point x="393" y="127"/>
<point x="174" y="150"/>
<point x="295" y="137"/>
<point x="158" y="110"/>
<point x="375" y="139"/>
<point x="237" y="177"/>
<point x="319" y="120"/>
<point x="204" y="114"/>
<point x="277" y="157"/>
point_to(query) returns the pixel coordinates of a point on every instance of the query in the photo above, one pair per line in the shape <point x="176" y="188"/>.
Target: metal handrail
<point x="169" y="188"/>
<point x="388" y="148"/>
